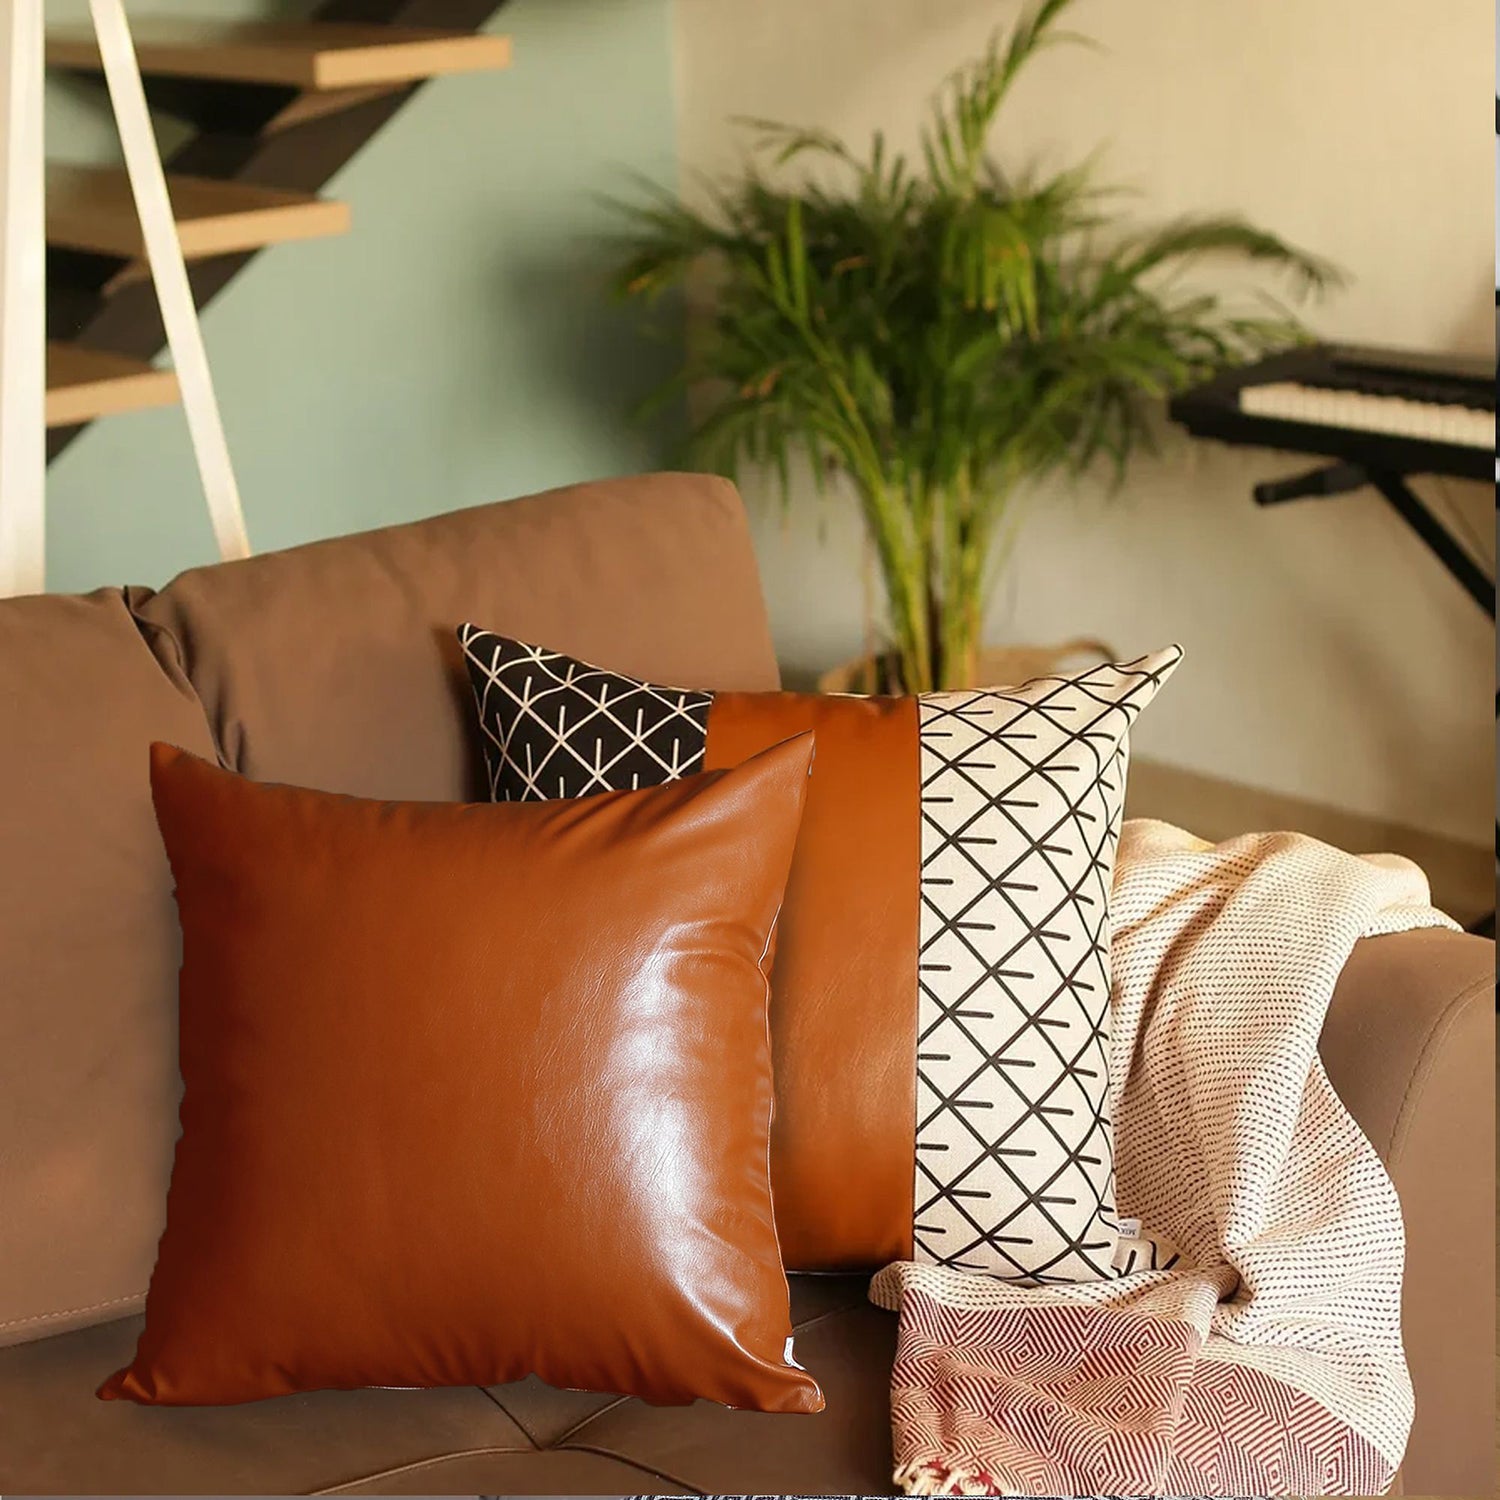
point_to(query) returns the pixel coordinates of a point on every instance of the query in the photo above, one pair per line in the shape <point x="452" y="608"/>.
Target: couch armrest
<point x="1410" y="1046"/>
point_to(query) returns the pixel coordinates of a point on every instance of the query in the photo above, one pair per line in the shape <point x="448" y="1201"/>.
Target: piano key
<point x="1353" y="411"/>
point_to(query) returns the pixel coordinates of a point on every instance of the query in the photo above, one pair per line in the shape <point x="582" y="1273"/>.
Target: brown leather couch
<point x="334" y="666"/>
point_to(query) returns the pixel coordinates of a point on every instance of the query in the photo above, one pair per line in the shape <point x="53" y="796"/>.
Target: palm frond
<point x="1191" y="239"/>
<point x="784" y="143"/>
<point x="966" y="109"/>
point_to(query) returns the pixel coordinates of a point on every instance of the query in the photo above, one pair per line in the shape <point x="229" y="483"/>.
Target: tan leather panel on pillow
<point x="858" y="854"/>
<point x="88" y="961"/>
<point x="473" y="1092"/>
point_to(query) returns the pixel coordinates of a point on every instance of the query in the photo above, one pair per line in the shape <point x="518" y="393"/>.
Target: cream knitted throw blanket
<point x="1251" y="1344"/>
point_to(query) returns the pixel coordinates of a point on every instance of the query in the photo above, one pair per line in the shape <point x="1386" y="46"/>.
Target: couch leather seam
<point x="567" y="1433"/>
<point x="1416" y="1084"/>
<point x="633" y="1463"/>
<point x="70" y="1312"/>
<point x="506" y="1412"/>
<point x="823" y="1317"/>
<point x="416" y="1464"/>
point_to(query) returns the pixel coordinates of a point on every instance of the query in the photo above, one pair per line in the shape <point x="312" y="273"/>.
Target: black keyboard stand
<point x="1340" y="479"/>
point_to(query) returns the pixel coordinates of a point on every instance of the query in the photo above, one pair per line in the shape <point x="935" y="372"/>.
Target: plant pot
<point x="999" y="666"/>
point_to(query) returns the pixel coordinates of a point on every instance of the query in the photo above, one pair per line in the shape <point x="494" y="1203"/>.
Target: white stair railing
<point x="22" y="289"/>
<point x="23" y="262"/>
<point x="148" y="184"/>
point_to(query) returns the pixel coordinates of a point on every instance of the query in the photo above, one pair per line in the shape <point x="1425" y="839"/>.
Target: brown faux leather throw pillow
<point x="474" y="1091"/>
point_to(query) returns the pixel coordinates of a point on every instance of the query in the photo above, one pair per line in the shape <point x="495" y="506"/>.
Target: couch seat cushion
<point x="524" y="1438"/>
<point x="57" y="1437"/>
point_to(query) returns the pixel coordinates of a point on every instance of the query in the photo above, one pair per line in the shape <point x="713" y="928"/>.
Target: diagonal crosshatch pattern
<point x="554" y="727"/>
<point x="1014" y="1161"/>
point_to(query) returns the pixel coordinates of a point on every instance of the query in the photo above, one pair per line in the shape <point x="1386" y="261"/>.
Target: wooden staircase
<point x="91" y="208"/>
<point x="86" y="383"/>
<point x="298" y="55"/>
<point x="278" y="108"/>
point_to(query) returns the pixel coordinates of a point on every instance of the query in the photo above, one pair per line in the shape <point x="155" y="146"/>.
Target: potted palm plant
<point x="944" y="334"/>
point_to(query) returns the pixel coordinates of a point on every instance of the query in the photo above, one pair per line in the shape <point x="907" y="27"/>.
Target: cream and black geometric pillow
<point x="554" y="727"/>
<point x="940" y="1007"/>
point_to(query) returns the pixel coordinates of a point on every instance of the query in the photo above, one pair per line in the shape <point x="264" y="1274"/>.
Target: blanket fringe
<point x="926" y="1477"/>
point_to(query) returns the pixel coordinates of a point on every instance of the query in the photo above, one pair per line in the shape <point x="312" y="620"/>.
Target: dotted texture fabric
<point x="1251" y="1341"/>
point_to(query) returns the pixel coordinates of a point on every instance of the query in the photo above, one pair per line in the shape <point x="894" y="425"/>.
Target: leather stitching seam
<point x="634" y="1463"/>
<point x="583" y="1422"/>
<point x="506" y="1412"/>
<point x="69" y="1312"/>
<point x="822" y="1317"/>
<point x="416" y="1465"/>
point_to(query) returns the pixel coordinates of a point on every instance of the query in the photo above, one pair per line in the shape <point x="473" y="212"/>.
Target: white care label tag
<point x="1130" y="1229"/>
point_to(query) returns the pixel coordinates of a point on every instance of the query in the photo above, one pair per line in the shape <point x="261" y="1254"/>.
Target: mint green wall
<point x="455" y="347"/>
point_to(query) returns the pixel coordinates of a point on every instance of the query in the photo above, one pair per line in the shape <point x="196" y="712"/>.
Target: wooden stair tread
<point x="295" y="54"/>
<point x="86" y="383"/>
<point x="91" y="208"/>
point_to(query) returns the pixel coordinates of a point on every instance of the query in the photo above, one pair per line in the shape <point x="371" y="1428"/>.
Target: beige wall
<point x="1327" y="655"/>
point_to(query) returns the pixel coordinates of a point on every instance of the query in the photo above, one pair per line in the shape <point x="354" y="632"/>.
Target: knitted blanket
<point x="1251" y="1343"/>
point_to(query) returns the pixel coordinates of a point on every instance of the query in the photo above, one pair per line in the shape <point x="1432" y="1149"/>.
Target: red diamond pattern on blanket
<point x="1244" y="1433"/>
<point x="1077" y="1400"/>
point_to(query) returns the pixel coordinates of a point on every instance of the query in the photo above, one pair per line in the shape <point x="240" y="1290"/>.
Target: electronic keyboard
<point x="1383" y="410"/>
<point x="1376" y="416"/>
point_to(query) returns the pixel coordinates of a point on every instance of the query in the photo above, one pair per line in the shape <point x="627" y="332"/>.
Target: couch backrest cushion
<point x="335" y="666"/>
<point x="88" y="960"/>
